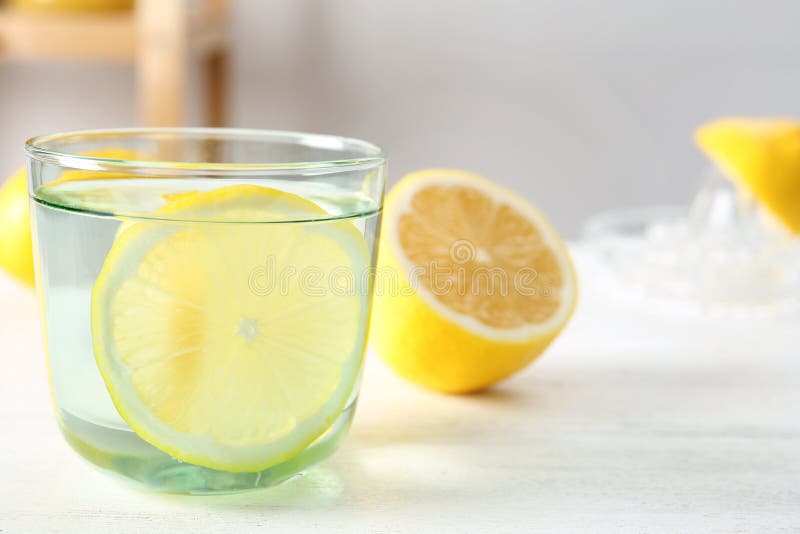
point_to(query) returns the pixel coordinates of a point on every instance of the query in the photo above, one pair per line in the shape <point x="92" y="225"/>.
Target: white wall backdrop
<point x="580" y="105"/>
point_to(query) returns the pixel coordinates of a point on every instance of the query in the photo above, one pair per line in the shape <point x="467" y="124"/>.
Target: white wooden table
<point x="634" y="421"/>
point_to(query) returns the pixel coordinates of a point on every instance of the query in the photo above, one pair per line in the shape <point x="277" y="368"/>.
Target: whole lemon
<point x="16" y="250"/>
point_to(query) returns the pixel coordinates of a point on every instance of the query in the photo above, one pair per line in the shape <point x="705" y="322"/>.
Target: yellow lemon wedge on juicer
<point x="763" y="157"/>
<point x="483" y="282"/>
<point x="16" y="249"/>
<point x="201" y="358"/>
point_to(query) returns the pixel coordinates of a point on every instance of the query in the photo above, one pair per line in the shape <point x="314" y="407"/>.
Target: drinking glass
<point x="205" y="297"/>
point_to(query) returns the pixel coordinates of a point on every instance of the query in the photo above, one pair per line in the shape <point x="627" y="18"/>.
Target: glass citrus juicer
<point x="735" y="249"/>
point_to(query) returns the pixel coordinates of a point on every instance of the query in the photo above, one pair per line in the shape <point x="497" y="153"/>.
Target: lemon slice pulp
<point x="222" y="343"/>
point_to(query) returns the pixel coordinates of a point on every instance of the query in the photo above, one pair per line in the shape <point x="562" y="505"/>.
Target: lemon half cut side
<point x="486" y="282"/>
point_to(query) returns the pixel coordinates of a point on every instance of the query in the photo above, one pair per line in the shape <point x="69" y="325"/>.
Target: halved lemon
<point x="473" y="282"/>
<point x="763" y="157"/>
<point x="223" y="343"/>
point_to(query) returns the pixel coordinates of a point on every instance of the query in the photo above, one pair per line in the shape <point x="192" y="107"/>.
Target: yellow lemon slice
<point x="763" y="156"/>
<point x="223" y="343"/>
<point x="483" y="285"/>
<point x="74" y="175"/>
<point x="77" y="187"/>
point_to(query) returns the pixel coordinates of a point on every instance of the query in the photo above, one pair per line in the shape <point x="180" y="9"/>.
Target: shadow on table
<point x="431" y="448"/>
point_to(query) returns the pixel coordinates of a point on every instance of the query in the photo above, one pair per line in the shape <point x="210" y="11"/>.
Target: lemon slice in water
<point x="222" y="343"/>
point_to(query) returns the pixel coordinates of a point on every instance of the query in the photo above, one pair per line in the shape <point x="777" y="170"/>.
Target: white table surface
<point x="634" y="421"/>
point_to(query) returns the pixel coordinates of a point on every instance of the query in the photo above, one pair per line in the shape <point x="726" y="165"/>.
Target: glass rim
<point x="373" y="155"/>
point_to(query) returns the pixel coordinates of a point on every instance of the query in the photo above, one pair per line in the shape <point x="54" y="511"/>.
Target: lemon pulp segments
<point x="486" y="282"/>
<point x="214" y="345"/>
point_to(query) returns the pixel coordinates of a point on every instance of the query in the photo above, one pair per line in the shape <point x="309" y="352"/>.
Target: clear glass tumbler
<point x="206" y="296"/>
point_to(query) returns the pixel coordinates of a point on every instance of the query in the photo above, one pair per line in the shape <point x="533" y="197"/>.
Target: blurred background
<point x="580" y="105"/>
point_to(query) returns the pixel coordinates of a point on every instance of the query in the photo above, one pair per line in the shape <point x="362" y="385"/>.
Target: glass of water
<point x="206" y="295"/>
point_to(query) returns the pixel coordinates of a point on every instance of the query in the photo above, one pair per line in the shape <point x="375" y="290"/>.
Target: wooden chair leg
<point x="216" y="90"/>
<point x="162" y="43"/>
